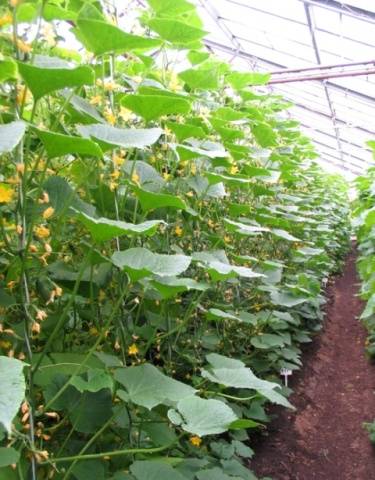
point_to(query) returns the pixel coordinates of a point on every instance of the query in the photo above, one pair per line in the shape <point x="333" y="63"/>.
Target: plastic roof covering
<point x="271" y="35"/>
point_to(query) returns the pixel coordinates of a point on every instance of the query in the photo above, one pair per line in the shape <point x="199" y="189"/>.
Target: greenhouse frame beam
<point x="248" y="56"/>
<point x="323" y="67"/>
<point x="343" y="8"/>
<point x="324" y="76"/>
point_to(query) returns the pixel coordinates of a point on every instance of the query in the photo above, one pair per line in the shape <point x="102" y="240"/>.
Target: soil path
<point x="334" y="395"/>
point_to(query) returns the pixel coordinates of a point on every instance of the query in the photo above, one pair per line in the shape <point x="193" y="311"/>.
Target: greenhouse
<point x="187" y="228"/>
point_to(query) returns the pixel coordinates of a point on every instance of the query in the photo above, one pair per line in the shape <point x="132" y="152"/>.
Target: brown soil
<point x="334" y="394"/>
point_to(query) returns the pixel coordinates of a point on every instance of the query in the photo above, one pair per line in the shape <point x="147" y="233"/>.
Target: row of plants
<point x="363" y="223"/>
<point x="166" y="235"/>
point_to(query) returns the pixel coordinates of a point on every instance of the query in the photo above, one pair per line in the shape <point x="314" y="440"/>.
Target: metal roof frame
<point x="337" y="95"/>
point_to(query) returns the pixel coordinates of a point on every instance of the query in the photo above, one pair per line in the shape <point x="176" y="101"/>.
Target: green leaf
<point x="8" y="69"/>
<point x="213" y="474"/>
<point x="96" y="380"/>
<point x="203" y="77"/>
<point x="240" y="80"/>
<point x="54" y="12"/>
<point x="62" y="197"/>
<point x="83" y="107"/>
<point x="150" y="200"/>
<point x="103" y="229"/>
<point x="171" y="286"/>
<point x="233" y="373"/>
<point x="219" y="268"/>
<point x="12" y="390"/>
<point x="154" y="470"/>
<point x="149" y="178"/>
<point x="171" y="7"/>
<point x="121" y="137"/>
<point x="10" y="135"/>
<point x="267" y="341"/>
<point x="202" y="417"/>
<point x="286" y="299"/>
<point x="147" y="386"/>
<point x="151" y="107"/>
<point x="89" y="469"/>
<point x="264" y="135"/>
<point x="8" y="456"/>
<point x="92" y="411"/>
<point x="186" y="130"/>
<point x="141" y="262"/>
<point x="284" y="235"/>
<point x="243" y="228"/>
<point x="57" y="145"/>
<point x="176" y="32"/>
<point x="101" y="37"/>
<point x="49" y="74"/>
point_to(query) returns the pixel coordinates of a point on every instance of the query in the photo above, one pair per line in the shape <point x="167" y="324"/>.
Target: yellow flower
<point x="19" y="229"/>
<point x="233" y="169"/>
<point x="118" y="160"/>
<point x="211" y="223"/>
<point x="35" y="327"/>
<point x="96" y="100"/>
<point x="20" y="167"/>
<point x="125" y="114"/>
<point x="193" y="169"/>
<point x="195" y="441"/>
<point x="190" y="194"/>
<point x="23" y="46"/>
<point x="41" y="315"/>
<point x="109" y="116"/>
<point x="44" y="199"/>
<point x="227" y="239"/>
<point x="42" y="232"/>
<point x="110" y="86"/>
<point x="166" y="176"/>
<point x="93" y="332"/>
<point x="48" y="212"/>
<point x="135" y="178"/>
<point x="178" y="231"/>
<point x="6" y="19"/>
<point x="6" y="193"/>
<point x="133" y="349"/>
<point x="115" y="175"/>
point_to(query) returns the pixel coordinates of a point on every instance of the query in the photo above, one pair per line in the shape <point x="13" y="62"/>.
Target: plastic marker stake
<point x="285" y="372"/>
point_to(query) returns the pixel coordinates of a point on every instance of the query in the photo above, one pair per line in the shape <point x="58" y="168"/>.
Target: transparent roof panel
<point x="273" y="36"/>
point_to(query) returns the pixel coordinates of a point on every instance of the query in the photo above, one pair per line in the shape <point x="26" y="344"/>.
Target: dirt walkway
<point x="334" y="395"/>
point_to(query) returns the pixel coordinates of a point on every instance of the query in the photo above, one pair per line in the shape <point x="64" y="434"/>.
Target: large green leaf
<point x="101" y="37"/>
<point x="8" y="456"/>
<point x="8" y="69"/>
<point x="176" y="32"/>
<point x="203" y="77"/>
<point x="121" y="137"/>
<point x="243" y="228"/>
<point x="147" y="386"/>
<point x="264" y="135"/>
<point x="202" y="417"/>
<point x="102" y="229"/>
<point x="12" y="390"/>
<point x="151" y="107"/>
<point x="10" y="135"/>
<point x="151" y="201"/>
<point x="171" y="286"/>
<point x="48" y="74"/>
<point x="233" y="373"/>
<point x="219" y="268"/>
<point x="240" y="80"/>
<point x="141" y="262"/>
<point x="170" y="7"/>
<point x="154" y="470"/>
<point x="57" y="145"/>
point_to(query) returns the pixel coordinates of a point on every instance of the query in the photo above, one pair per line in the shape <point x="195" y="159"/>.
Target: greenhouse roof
<point x="274" y="36"/>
